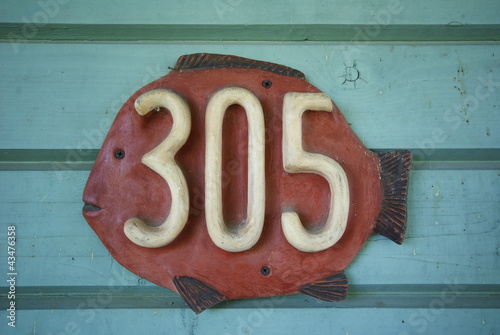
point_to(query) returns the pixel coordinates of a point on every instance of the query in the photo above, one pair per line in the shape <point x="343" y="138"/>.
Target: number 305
<point x="295" y="160"/>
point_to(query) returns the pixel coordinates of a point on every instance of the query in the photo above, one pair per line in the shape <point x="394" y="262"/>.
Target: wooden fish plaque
<point x="231" y="178"/>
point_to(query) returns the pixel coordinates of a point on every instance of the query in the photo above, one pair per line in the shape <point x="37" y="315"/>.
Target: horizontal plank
<point x="47" y="159"/>
<point x="257" y="12"/>
<point x="428" y="97"/>
<point x="17" y="33"/>
<point x="359" y="296"/>
<point x="430" y="320"/>
<point x="453" y="233"/>
<point x="83" y="160"/>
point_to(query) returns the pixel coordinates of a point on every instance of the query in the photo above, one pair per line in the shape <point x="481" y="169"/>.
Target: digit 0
<point x="247" y="235"/>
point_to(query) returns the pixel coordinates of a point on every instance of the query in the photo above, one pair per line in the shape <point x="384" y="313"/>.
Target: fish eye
<point x="119" y="154"/>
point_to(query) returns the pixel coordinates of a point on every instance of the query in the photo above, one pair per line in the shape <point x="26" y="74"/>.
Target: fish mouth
<point x="88" y="207"/>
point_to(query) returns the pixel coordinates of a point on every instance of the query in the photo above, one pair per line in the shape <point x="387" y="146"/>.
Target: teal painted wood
<point x="465" y="296"/>
<point x="83" y="160"/>
<point x="430" y="97"/>
<point x="439" y="99"/>
<point x="452" y="233"/>
<point x="258" y="12"/>
<point x="16" y="33"/>
<point x="260" y="320"/>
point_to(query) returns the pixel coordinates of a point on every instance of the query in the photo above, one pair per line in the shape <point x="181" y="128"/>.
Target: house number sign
<point x="231" y="178"/>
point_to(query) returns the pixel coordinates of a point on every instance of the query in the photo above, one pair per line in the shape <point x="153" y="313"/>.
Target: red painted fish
<point x="231" y="178"/>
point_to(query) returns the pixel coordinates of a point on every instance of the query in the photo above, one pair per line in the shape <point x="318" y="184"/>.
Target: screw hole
<point x="265" y="271"/>
<point x="119" y="154"/>
<point x="267" y="83"/>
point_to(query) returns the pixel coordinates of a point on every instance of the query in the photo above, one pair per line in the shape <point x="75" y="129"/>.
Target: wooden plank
<point x="83" y="160"/>
<point x="359" y="296"/>
<point x="49" y="159"/>
<point x="258" y="321"/>
<point x="239" y="11"/>
<point x="452" y="233"/>
<point x="16" y="33"/>
<point x="428" y="98"/>
<point x="439" y="99"/>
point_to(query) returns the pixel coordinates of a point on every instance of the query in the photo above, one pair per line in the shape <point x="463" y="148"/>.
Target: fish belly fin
<point x="197" y="295"/>
<point x="394" y="172"/>
<point x="333" y="288"/>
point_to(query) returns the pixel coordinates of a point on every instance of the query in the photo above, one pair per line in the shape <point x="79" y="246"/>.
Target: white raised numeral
<point x="161" y="160"/>
<point x="297" y="160"/>
<point x="246" y="236"/>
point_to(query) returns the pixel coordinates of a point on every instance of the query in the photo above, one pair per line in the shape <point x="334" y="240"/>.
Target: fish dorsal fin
<point x="202" y="61"/>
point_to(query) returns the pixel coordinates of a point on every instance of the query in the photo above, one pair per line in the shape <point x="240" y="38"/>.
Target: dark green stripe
<point x="47" y="159"/>
<point x="359" y="296"/>
<point x="24" y="32"/>
<point x="83" y="160"/>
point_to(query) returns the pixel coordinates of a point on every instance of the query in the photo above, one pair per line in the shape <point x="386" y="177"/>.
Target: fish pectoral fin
<point x="333" y="288"/>
<point x="197" y="295"/>
<point x="394" y="172"/>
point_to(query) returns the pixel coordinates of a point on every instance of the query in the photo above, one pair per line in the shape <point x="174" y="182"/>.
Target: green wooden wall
<point x="429" y="81"/>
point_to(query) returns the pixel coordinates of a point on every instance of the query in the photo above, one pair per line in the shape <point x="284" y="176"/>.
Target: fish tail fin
<point x="394" y="173"/>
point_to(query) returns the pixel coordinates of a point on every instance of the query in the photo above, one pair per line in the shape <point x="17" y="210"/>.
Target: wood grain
<point x="419" y="93"/>
<point x="418" y="78"/>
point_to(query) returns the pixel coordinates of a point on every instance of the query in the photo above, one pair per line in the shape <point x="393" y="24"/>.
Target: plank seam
<point x="451" y="295"/>
<point x="16" y="32"/>
<point x="75" y="160"/>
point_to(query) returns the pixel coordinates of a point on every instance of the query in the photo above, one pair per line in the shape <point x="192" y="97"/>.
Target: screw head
<point x="265" y="270"/>
<point x="119" y="154"/>
<point x="267" y="83"/>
